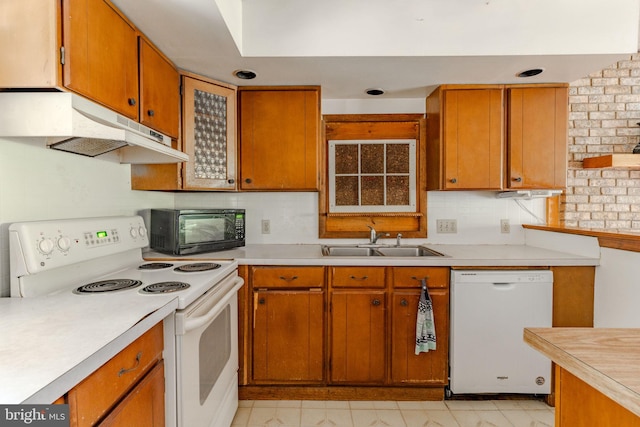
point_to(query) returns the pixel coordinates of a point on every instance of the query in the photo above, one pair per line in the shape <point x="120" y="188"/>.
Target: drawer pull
<point x="420" y="279"/>
<point x="403" y="302"/>
<point x="359" y="278"/>
<point x="375" y="302"/>
<point x="288" y="279"/>
<point x="124" y="371"/>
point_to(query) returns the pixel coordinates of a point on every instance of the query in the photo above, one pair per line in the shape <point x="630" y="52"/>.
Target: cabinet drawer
<point x="287" y="277"/>
<point x="410" y="277"/>
<point x="93" y="397"/>
<point x="357" y="277"/>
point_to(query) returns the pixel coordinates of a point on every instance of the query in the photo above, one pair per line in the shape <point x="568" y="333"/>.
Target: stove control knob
<point x="142" y="231"/>
<point x="45" y="246"/>
<point x="64" y="243"/>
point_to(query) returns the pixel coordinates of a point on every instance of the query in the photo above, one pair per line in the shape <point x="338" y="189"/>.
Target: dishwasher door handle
<point x="504" y="286"/>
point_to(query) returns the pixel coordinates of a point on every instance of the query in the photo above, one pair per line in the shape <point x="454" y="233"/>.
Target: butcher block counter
<point x="597" y="374"/>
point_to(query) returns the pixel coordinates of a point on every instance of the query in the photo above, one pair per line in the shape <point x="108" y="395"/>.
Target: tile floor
<point x="450" y="413"/>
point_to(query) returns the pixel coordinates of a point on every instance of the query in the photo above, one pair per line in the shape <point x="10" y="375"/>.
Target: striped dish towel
<point x="425" y="327"/>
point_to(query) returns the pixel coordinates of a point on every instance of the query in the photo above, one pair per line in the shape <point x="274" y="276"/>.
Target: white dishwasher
<point x="489" y="310"/>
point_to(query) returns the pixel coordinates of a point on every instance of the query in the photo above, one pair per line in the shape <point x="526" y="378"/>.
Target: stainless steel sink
<point x="379" y="250"/>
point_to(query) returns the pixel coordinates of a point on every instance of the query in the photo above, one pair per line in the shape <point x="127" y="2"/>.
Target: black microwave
<point x="191" y="231"/>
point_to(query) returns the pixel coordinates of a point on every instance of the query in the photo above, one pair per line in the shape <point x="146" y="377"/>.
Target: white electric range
<point x="102" y="258"/>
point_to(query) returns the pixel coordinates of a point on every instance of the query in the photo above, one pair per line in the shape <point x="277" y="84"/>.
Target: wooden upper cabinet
<point x="537" y="137"/>
<point x="465" y="134"/>
<point x="467" y="140"/>
<point x="101" y="55"/>
<point x="279" y="138"/>
<point x="159" y="91"/>
<point x="209" y="135"/>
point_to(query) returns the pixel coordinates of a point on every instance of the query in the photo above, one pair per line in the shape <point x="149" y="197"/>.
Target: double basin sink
<point x="366" y="250"/>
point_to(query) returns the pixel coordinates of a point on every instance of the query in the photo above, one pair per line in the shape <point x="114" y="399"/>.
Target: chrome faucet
<point x="373" y="238"/>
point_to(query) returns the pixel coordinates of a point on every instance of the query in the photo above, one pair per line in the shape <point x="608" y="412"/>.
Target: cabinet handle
<point x="420" y="279"/>
<point x="261" y="301"/>
<point x="359" y="278"/>
<point x="131" y="101"/>
<point x="124" y="371"/>
<point x="231" y="181"/>
<point x="288" y="279"/>
<point x="404" y="302"/>
<point x="518" y="179"/>
<point x="151" y="113"/>
<point x="248" y="180"/>
<point x="375" y="302"/>
<point x="453" y="180"/>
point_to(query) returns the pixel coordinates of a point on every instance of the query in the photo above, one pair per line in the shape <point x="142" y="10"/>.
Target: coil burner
<point x="197" y="266"/>
<point x="164" y="287"/>
<point x="110" y="285"/>
<point x="155" y="266"/>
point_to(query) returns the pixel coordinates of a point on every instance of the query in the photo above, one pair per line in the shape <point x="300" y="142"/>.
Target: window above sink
<point x="374" y="176"/>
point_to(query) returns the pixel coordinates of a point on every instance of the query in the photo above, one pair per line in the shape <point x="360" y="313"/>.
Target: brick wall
<point x="604" y="109"/>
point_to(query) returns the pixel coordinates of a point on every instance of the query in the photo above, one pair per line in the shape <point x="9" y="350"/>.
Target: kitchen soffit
<point x="405" y="46"/>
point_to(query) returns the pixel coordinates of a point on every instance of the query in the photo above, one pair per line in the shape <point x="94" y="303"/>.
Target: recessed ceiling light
<point x="245" y="74"/>
<point x="374" y="91"/>
<point x="530" y="73"/>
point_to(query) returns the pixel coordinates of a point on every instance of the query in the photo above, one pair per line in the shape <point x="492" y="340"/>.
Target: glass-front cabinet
<point x="209" y="129"/>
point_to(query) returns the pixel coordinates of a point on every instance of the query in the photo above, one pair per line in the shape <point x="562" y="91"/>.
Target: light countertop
<point x="608" y="359"/>
<point x="49" y="344"/>
<point x="456" y="256"/>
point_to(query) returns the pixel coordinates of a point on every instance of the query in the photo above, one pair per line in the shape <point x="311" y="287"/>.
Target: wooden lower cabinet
<point x="358" y="337"/>
<point x="407" y="368"/>
<point x="287" y="345"/>
<point x="126" y="391"/>
<point x="342" y="333"/>
<point x="580" y="405"/>
<point x="143" y="406"/>
<point x="288" y="336"/>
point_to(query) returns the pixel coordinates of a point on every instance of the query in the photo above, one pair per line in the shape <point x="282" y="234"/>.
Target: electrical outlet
<point x="446" y="226"/>
<point x="266" y="226"/>
<point x="505" y="227"/>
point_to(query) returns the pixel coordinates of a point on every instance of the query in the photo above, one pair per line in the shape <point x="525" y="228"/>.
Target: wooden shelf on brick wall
<point x="613" y="161"/>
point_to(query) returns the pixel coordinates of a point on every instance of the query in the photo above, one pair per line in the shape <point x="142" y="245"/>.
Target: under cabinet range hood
<point x="69" y="122"/>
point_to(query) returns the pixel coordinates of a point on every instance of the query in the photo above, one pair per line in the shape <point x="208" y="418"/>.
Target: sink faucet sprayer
<point x="375" y="236"/>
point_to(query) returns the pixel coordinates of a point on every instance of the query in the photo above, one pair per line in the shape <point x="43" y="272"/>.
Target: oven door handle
<point x="196" y="322"/>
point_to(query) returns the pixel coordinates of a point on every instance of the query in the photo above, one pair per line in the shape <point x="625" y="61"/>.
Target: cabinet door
<point x="143" y="406"/>
<point x="101" y="55"/>
<point x="288" y="336"/>
<point x="472" y="137"/>
<point x="159" y="91"/>
<point x="209" y="128"/>
<point x="426" y="368"/>
<point x="358" y="338"/>
<point x="537" y="137"/>
<point x="279" y="139"/>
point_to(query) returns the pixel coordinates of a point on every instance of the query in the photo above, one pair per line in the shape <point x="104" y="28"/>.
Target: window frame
<point x="411" y="223"/>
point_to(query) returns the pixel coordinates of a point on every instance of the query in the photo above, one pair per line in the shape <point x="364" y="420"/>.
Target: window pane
<point x="372" y="158"/>
<point x="397" y="190"/>
<point x="372" y="190"/>
<point x="346" y="159"/>
<point x="398" y="158"/>
<point x="346" y="190"/>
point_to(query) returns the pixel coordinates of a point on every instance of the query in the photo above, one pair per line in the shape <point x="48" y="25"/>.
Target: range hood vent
<point x="527" y="194"/>
<point x="68" y="122"/>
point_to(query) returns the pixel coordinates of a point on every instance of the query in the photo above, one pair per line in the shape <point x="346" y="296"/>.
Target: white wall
<point x="39" y="184"/>
<point x="617" y="290"/>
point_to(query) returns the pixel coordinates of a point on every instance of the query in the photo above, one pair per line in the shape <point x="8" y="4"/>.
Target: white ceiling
<point x="406" y="47"/>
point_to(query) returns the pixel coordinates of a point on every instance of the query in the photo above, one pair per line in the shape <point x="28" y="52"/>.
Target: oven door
<point x="207" y="357"/>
